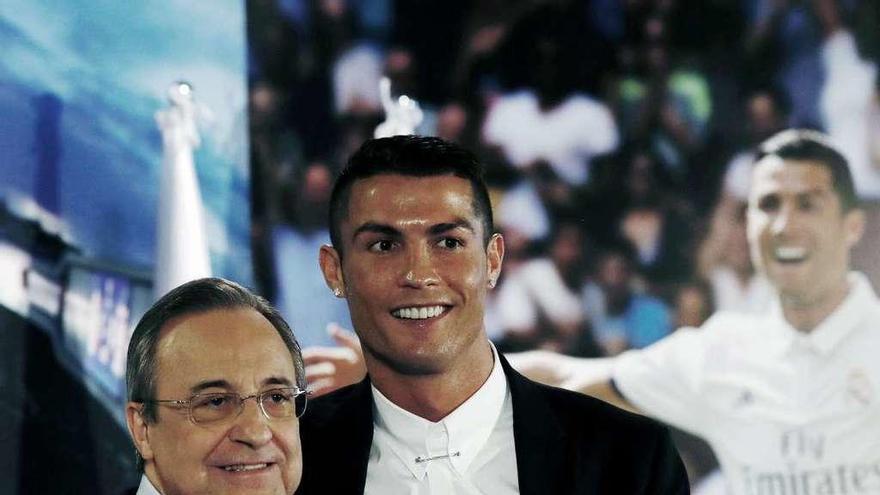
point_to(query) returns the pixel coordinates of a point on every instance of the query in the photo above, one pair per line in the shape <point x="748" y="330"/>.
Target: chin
<point x="415" y="363"/>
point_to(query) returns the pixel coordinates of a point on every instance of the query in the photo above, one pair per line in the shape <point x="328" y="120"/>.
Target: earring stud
<point x="337" y="292"/>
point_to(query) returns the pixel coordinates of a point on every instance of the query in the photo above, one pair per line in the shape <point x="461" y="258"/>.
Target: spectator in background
<point x="621" y="314"/>
<point x="766" y="113"/>
<point x="850" y="109"/>
<point x="661" y="101"/>
<point x="783" y="49"/>
<point x="538" y="302"/>
<point x="693" y="304"/>
<point x="549" y="123"/>
<point x="723" y="261"/>
<point x="300" y="293"/>
<point x="655" y="221"/>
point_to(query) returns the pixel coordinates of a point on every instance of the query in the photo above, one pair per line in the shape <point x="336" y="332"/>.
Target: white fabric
<point x="356" y="76"/>
<point x="146" y="487"/>
<point x="567" y="137"/>
<point x="533" y="289"/>
<point x="479" y="432"/>
<point x="738" y="175"/>
<point x="845" y="104"/>
<point x="730" y="295"/>
<point x="785" y="412"/>
<point x="522" y="210"/>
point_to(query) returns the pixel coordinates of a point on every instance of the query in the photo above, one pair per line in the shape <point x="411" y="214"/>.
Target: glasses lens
<point x="207" y="408"/>
<point x="279" y="402"/>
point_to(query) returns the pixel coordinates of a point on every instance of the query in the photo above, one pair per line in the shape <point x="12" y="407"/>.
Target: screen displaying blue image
<point x="80" y="83"/>
<point x="81" y="163"/>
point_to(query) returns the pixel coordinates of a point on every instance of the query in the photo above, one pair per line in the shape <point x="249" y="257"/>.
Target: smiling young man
<point x="414" y="254"/>
<point x="216" y="386"/>
<point x="788" y="400"/>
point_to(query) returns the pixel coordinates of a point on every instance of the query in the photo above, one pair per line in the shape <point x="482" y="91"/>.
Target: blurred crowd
<point x="617" y="137"/>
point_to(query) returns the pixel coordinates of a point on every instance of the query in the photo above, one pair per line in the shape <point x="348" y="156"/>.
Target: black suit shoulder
<point x="336" y="433"/>
<point x="605" y="420"/>
<point x="326" y="408"/>
<point x="616" y="451"/>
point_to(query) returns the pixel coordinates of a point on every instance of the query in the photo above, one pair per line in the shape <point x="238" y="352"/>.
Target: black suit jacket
<point x="565" y="443"/>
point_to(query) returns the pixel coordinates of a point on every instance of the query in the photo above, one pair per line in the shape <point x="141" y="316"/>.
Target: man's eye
<point x="768" y="204"/>
<point x="211" y="401"/>
<point x="280" y="397"/>
<point x="807" y="204"/>
<point x="450" y="243"/>
<point x="382" y="246"/>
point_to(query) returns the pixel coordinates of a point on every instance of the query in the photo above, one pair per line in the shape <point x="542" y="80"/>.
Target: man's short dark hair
<point x="813" y="146"/>
<point x="194" y="297"/>
<point x="417" y="156"/>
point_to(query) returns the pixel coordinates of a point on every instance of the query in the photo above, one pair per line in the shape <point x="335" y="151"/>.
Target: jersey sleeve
<point x="663" y="380"/>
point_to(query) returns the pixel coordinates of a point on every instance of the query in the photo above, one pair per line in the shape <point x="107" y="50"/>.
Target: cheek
<point x="183" y="449"/>
<point x="369" y="276"/>
<point x="289" y="440"/>
<point x="469" y="274"/>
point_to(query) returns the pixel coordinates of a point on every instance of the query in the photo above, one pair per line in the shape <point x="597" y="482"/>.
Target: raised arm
<point x="590" y="376"/>
<point x="330" y="368"/>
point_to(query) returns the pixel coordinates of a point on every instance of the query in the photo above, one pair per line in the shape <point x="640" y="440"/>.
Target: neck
<point x="806" y="314"/>
<point x="153" y="476"/>
<point x="434" y="395"/>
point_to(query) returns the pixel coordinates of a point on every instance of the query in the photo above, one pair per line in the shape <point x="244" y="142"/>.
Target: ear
<point x="137" y="428"/>
<point x="495" y="258"/>
<point x="854" y="226"/>
<point x="331" y="267"/>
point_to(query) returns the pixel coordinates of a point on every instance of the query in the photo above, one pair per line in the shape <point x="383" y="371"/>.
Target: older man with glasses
<point x="195" y="361"/>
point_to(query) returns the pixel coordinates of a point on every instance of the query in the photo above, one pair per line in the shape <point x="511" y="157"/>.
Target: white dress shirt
<point x="470" y="451"/>
<point x="146" y="487"/>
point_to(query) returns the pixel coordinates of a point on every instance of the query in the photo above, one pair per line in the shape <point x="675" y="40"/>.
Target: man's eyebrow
<point x="198" y="387"/>
<point x="376" y="228"/>
<point x="458" y="223"/>
<point x="278" y="380"/>
<point x="816" y="191"/>
<point x="272" y="380"/>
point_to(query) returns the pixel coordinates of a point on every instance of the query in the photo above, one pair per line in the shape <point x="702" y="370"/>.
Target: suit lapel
<point x="342" y="437"/>
<point x="542" y="461"/>
<point x="358" y="426"/>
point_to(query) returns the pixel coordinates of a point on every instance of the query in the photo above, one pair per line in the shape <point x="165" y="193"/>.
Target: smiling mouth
<point x="243" y="468"/>
<point x="419" y="312"/>
<point x="789" y="254"/>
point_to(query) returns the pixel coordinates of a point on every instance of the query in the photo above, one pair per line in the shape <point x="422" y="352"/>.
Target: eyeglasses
<point x="276" y="403"/>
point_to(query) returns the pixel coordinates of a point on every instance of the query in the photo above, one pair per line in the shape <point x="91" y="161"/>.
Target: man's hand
<point x="330" y="368"/>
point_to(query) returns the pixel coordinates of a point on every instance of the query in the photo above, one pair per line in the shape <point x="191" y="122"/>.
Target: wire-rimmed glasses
<point x="276" y="403"/>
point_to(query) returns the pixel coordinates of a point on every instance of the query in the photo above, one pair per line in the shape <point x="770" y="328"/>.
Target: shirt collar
<point x="467" y="427"/>
<point x="836" y="326"/>
<point x="146" y="487"/>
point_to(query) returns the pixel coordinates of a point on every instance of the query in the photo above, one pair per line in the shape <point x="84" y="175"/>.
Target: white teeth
<point x="422" y="313"/>
<point x="789" y="253"/>
<point x="245" y="467"/>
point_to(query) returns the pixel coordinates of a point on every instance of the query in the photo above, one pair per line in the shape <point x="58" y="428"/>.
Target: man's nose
<point x="251" y="427"/>
<point x="785" y="219"/>
<point x="420" y="270"/>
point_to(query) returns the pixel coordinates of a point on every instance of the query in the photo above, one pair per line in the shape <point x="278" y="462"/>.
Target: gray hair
<point x="194" y="297"/>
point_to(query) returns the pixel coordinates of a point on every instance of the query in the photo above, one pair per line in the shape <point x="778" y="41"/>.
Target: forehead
<point x="237" y="345"/>
<point x="774" y="175"/>
<point x="394" y="199"/>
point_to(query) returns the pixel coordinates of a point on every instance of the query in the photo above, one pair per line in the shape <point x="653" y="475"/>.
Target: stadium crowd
<point x="617" y="135"/>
